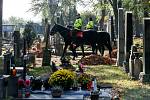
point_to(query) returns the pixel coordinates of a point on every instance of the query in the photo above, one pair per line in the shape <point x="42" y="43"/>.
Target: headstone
<point x="17" y="44"/>
<point x="16" y="35"/>
<point x="121" y="41"/>
<point x="137" y="66"/>
<point x="128" y="38"/>
<point x="1" y="65"/>
<point x="131" y="60"/>
<point x="145" y="75"/>
<point x="7" y="63"/>
<point x="1" y="88"/>
<point x="59" y="45"/>
<point x="13" y="86"/>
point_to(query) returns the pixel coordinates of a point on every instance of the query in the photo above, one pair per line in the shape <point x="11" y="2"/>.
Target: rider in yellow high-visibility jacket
<point x="78" y="23"/>
<point x="77" y="33"/>
<point x="90" y="24"/>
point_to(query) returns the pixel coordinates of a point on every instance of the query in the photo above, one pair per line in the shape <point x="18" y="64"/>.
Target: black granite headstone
<point x="145" y="75"/>
<point x="128" y="37"/>
<point x="7" y="59"/>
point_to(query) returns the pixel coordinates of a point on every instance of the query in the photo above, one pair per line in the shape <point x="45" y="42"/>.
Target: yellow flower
<point x="62" y="77"/>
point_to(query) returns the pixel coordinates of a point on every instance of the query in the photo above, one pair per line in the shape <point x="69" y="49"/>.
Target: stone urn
<point x="56" y="92"/>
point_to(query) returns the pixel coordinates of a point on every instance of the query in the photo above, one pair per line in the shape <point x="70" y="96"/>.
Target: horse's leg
<point x="64" y="51"/>
<point x="93" y="48"/>
<point x="82" y="48"/>
<point x="101" y="49"/>
<point x="108" y="45"/>
<point x="96" y="49"/>
<point x="74" y="52"/>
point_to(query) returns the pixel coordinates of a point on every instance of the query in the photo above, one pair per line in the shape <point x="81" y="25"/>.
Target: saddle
<point x="79" y="34"/>
<point x="76" y="33"/>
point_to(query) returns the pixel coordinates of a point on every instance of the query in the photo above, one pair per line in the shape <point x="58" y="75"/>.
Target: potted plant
<point x="56" y="91"/>
<point x="84" y="79"/>
<point x="64" y="78"/>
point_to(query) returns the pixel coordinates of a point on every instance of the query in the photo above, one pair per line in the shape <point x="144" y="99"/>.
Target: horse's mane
<point x="62" y="27"/>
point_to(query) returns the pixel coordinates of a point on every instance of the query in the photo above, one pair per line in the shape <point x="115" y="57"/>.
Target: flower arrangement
<point x="64" y="78"/>
<point x="85" y="80"/>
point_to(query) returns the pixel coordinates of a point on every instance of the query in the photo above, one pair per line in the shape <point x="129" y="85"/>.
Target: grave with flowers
<point x="65" y="80"/>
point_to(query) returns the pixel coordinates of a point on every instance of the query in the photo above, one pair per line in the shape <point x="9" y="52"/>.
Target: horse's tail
<point x="108" y="44"/>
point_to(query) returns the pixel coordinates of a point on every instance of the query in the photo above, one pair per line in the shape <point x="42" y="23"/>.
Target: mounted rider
<point x="78" y="23"/>
<point x="77" y="26"/>
<point x="77" y="34"/>
<point x="90" y="24"/>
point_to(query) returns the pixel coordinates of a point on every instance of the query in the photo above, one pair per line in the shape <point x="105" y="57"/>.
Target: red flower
<point x="27" y="82"/>
<point x="20" y="82"/>
<point x="89" y="85"/>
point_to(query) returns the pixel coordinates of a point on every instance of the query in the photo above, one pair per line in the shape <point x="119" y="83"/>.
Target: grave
<point x="121" y="40"/>
<point x="128" y="38"/>
<point x="104" y="94"/>
<point x="145" y="75"/>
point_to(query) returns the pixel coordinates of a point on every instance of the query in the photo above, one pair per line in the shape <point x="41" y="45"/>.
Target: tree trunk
<point x="114" y="5"/>
<point x="116" y="21"/>
<point x="102" y="20"/>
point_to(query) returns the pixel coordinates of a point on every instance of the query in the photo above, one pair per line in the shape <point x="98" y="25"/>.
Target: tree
<point x="29" y="34"/>
<point x="48" y="9"/>
<point x="114" y="4"/>
<point x="15" y="20"/>
<point x="105" y="9"/>
<point x="140" y="9"/>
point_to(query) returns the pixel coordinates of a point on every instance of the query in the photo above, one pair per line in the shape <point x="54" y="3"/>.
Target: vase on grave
<point x="95" y="95"/>
<point x="13" y="71"/>
<point x="56" y="92"/>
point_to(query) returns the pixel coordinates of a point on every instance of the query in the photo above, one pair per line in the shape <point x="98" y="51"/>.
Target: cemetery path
<point x="56" y="59"/>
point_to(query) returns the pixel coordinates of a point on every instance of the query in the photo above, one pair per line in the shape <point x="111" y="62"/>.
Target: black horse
<point x="90" y="37"/>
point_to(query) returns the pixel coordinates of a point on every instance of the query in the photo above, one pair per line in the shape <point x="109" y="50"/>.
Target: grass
<point x="111" y="75"/>
<point x="121" y="82"/>
<point x="39" y="71"/>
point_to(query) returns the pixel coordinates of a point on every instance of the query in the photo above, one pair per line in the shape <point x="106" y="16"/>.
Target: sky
<point x="19" y="8"/>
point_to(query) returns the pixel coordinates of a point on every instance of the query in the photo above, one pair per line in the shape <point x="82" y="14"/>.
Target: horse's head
<point x="54" y="30"/>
